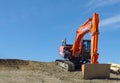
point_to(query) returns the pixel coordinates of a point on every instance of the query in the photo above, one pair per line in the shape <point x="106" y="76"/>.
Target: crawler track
<point x="65" y="64"/>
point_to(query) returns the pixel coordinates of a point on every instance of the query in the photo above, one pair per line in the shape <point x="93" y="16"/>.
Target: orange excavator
<point x="81" y="51"/>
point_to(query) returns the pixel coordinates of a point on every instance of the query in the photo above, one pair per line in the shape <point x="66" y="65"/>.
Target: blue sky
<point x="33" y="29"/>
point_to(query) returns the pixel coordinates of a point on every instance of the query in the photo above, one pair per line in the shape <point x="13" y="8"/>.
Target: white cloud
<point x="112" y="22"/>
<point x="93" y="4"/>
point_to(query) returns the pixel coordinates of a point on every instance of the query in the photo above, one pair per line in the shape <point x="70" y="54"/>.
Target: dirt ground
<point x="45" y="72"/>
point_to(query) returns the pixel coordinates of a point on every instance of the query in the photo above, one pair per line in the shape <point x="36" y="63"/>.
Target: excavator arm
<point x="90" y="25"/>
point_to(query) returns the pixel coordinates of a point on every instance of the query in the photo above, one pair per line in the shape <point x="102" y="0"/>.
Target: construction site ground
<point x="20" y="71"/>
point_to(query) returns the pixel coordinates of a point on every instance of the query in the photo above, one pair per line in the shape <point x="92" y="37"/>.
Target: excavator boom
<point x="91" y="25"/>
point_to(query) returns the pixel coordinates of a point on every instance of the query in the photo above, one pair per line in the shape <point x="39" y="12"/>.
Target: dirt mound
<point x="43" y="72"/>
<point x="13" y="62"/>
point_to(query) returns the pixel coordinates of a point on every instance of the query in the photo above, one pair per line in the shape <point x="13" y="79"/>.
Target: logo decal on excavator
<point x="84" y="29"/>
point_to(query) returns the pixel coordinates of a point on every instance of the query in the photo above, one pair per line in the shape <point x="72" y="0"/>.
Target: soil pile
<point x="20" y="71"/>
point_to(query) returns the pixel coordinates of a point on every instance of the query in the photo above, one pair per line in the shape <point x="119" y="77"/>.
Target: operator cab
<point x="86" y="49"/>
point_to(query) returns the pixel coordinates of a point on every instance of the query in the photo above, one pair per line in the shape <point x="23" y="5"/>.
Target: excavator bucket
<point x="95" y="71"/>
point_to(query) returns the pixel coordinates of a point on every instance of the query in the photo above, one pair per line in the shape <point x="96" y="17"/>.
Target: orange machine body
<point x="70" y="51"/>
